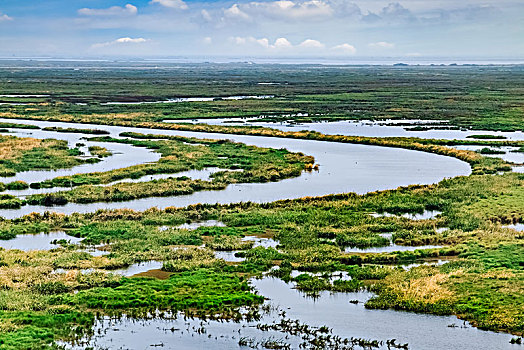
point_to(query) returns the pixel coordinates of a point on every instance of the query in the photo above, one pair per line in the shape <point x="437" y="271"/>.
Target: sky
<point x="262" y="28"/>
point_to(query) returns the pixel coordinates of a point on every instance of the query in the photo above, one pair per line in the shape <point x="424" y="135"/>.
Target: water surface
<point x="381" y="128"/>
<point x="40" y="241"/>
<point x="123" y="155"/>
<point x="331" y="309"/>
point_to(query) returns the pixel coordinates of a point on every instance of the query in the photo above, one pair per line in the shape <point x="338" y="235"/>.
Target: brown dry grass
<point x="13" y="147"/>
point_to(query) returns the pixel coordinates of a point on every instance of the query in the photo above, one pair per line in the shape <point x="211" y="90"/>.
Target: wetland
<point x="330" y="210"/>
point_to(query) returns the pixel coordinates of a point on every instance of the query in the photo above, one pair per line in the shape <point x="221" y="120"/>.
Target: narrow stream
<point x="123" y="156"/>
<point x="369" y="128"/>
<point x="194" y="99"/>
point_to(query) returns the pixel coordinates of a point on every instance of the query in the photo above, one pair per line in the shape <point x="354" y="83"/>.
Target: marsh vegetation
<point x="58" y="294"/>
<point x="23" y="154"/>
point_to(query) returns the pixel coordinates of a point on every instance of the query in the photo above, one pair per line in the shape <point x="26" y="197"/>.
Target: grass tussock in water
<point x="23" y="154"/>
<point x="76" y="130"/>
<point x="100" y="152"/>
<point x="17" y="126"/>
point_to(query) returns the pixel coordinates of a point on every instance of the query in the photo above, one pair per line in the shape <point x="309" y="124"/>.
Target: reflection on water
<point x="228" y="256"/>
<point x="194" y="225"/>
<point x="23" y="96"/>
<point x="261" y="241"/>
<point x="197" y="224"/>
<point x="138" y="268"/>
<point x="517" y="227"/>
<point x="41" y="241"/>
<point x="426" y="215"/>
<point x="392" y="247"/>
<point x="389" y="249"/>
<point x="331" y="309"/>
<point x="437" y="262"/>
<point x="333" y="276"/>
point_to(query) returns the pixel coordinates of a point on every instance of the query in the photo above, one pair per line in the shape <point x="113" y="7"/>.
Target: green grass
<point x="201" y="289"/>
<point x="484" y="288"/>
<point x="486" y="137"/>
<point x="67" y="316"/>
<point x="100" y="152"/>
<point x="40" y="329"/>
<point x="483" y="98"/>
<point x="76" y="130"/>
<point x="17" y="126"/>
<point x="24" y="154"/>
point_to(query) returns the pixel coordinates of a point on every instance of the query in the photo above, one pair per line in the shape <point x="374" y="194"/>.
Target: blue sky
<point x="283" y="28"/>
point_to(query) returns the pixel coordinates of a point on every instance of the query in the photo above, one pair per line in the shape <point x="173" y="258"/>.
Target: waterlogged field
<point x="482" y="97"/>
<point x="241" y="235"/>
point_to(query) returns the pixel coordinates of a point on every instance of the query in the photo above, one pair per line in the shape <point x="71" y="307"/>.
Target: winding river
<point x="343" y="168"/>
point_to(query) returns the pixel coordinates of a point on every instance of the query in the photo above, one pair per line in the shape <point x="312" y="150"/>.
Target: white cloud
<point x="4" y="17"/>
<point x="345" y="8"/>
<point x="264" y="42"/>
<point x="207" y="40"/>
<point x="127" y="10"/>
<point x="206" y="15"/>
<point x="282" y="43"/>
<point x="381" y="45"/>
<point x="130" y="40"/>
<point x="279" y="44"/>
<point x="282" y="9"/>
<point x="396" y="12"/>
<point x="173" y="4"/>
<point x="234" y="12"/>
<point x="295" y="10"/>
<point x="345" y="49"/>
<point x="120" y="41"/>
<point x="311" y="44"/>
